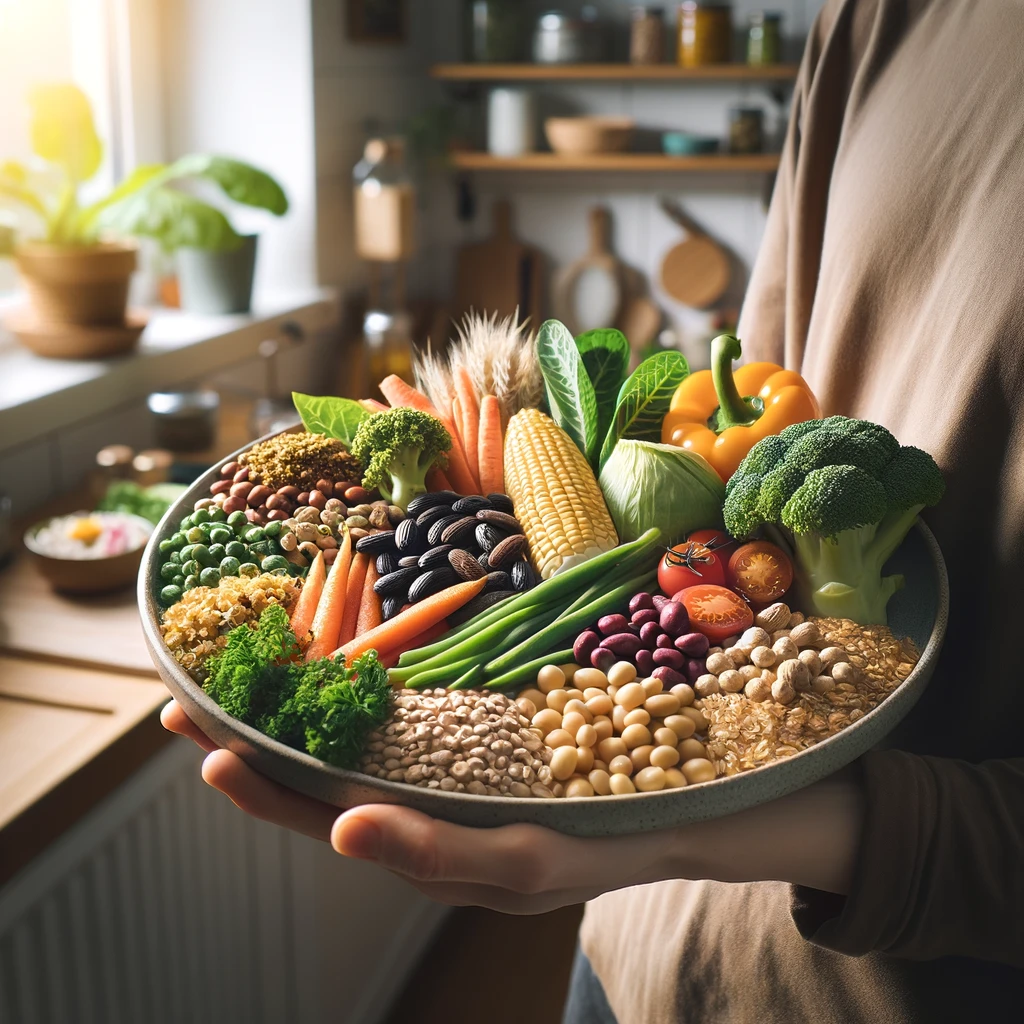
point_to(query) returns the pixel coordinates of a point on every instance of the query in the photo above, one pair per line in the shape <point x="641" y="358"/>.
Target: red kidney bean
<point x="275" y="501"/>
<point x="668" y="676"/>
<point x="325" y="487"/>
<point x="258" y="495"/>
<point x="643" y="615"/>
<point x="649" y="633"/>
<point x="241" y="474"/>
<point x="585" y="645"/>
<point x="262" y="514"/>
<point x="644" y="662"/>
<point x="317" y="499"/>
<point x="659" y="601"/>
<point x="288" y="491"/>
<point x="695" y="668"/>
<point x="673" y="619"/>
<point x="669" y="656"/>
<point x="639" y="602"/>
<point x="602" y="659"/>
<point x="220" y="487"/>
<point x="340" y="488"/>
<point x="356" y="495"/>
<point x="277" y="515"/>
<point x="663" y="640"/>
<point x="229" y="469"/>
<point x="250" y="514"/>
<point x="233" y="503"/>
<point x="609" y="625"/>
<point x="623" y="645"/>
<point x="693" y="645"/>
<point x="241" y="489"/>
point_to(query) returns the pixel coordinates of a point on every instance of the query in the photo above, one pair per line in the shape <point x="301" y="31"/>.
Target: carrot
<point x="492" y="459"/>
<point x="390" y="658"/>
<point x="331" y="609"/>
<point x="309" y="597"/>
<point x="469" y="407"/>
<point x="369" y="616"/>
<point x="437" y="481"/>
<point x="372" y="405"/>
<point x="410" y="623"/>
<point x="353" y="596"/>
<point x="398" y="393"/>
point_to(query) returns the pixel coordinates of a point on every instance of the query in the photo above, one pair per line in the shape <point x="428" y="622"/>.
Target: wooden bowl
<point x="918" y="611"/>
<point x="582" y="136"/>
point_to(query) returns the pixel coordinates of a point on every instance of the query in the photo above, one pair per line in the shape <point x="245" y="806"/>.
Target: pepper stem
<point x="733" y="409"/>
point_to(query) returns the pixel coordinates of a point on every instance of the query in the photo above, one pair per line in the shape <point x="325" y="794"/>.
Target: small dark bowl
<point x="918" y="611"/>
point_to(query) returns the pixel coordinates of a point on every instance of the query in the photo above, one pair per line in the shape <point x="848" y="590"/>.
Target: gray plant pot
<point x="214" y="283"/>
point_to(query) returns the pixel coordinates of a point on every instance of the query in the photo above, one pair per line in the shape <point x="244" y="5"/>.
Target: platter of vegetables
<point x="539" y="587"/>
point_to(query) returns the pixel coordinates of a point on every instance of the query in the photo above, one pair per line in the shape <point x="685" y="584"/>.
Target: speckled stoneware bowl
<point x="918" y="611"/>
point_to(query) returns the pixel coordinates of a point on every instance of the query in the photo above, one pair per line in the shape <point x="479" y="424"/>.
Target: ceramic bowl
<point x="86" y="575"/>
<point x="688" y="144"/>
<point x="918" y="611"/>
<point x="579" y="136"/>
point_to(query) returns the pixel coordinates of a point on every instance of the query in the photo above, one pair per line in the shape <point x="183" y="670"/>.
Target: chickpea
<point x="698" y="769"/>
<point x="547" y="720"/>
<point x="638" y="716"/>
<point x="526" y="707"/>
<point x="666" y="737"/>
<point x="630" y="696"/>
<point x="563" y="763"/>
<point x="584" y="759"/>
<point x="719" y="663"/>
<point x="698" y="718"/>
<point x="665" y="756"/>
<point x="590" y="677"/>
<point x="730" y="682"/>
<point x="579" y="787"/>
<point x="557" y="699"/>
<point x="691" y="748"/>
<point x="549" y="678"/>
<point x="593" y="691"/>
<point x="611" y="748"/>
<point x="602" y="725"/>
<point x="560" y="738"/>
<point x="621" y="672"/>
<point x="650" y="780"/>
<point x="569" y="670"/>
<point x="682" y="725"/>
<point x="641" y="756"/>
<point x="685" y="693"/>
<point x="739" y="657"/>
<point x="707" y="685"/>
<point x="661" y="705"/>
<point x="621" y="765"/>
<point x="573" y="722"/>
<point x="576" y="707"/>
<point x="586" y="736"/>
<point x="601" y="782"/>
<point x="539" y="700"/>
<point x="636" y="736"/>
<point x="620" y="785"/>
<point x="600" y="705"/>
<point x="674" y="778"/>
<point x="575" y="694"/>
<point x="652" y="687"/>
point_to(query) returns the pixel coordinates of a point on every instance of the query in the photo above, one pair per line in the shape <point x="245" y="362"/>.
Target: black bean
<point x="424" y="501"/>
<point x="508" y="551"/>
<point x="397" y="584"/>
<point x="435" y="556"/>
<point x="390" y="607"/>
<point x="488" y="537"/>
<point x="386" y="563"/>
<point x="502" y="520"/>
<point x="438" y="528"/>
<point x="471" y="504"/>
<point x="501" y="502"/>
<point x="377" y="543"/>
<point x="409" y="538"/>
<point x="498" y="581"/>
<point x="431" y="582"/>
<point x="485" y="563"/>
<point x="459" y="532"/>
<point x="480" y="603"/>
<point x="466" y="565"/>
<point x="408" y="561"/>
<point x="431" y="516"/>
<point x="522" y="575"/>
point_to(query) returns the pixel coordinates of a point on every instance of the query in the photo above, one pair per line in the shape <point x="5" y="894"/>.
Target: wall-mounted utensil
<point x="591" y="292"/>
<point x="695" y="272"/>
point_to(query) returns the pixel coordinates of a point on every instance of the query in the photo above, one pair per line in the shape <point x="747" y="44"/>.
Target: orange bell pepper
<point x="722" y="414"/>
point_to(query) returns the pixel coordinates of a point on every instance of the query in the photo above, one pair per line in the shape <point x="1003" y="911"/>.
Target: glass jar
<point x="764" y="38"/>
<point x="493" y="31"/>
<point x="647" y="36"/>
<point x="746" y="130"/>
<point x="384" y="203"/>
<point x="705" y="34"/>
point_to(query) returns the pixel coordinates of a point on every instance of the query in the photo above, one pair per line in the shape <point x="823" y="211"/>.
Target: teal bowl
<point x="918" y="611"/>
<point x="688" y="144"/>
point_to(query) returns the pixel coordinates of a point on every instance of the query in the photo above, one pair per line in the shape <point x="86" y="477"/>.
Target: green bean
<point x="469" y="679"/>
<point x="442" y="675"/>
<point x="528" y="672"/>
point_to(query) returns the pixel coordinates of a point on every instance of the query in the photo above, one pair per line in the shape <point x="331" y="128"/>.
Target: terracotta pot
<point x="81" y="285"/>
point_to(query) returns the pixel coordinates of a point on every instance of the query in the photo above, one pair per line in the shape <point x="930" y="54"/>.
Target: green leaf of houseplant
<point x="569" y="391"/>
<point x="174" y="219"/>
<point x="63" y="131"/>
<point x="644" y="399"/>
<point x="335" y="417"/>
<point x="240" y="181"/>
<point x="605" y="353"/>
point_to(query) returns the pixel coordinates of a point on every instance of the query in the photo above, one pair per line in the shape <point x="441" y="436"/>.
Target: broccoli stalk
<point x="840" y="496"/>
<point x="398" y="447"/>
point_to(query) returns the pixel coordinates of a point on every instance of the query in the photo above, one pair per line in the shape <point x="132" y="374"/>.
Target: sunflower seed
<point x="465" y="564"/>
<point x="424" y="501"/>
<point x="507" y="551"/>
<point x="502" y="520"/>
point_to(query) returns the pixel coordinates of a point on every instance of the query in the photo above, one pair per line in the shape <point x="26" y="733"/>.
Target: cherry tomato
<point x="717" y="612"/>
<point x="760" y="571"/>
<point x="699" y="559"/>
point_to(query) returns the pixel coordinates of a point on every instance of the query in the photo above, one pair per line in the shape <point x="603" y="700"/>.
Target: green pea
<point x="192" y="581"/>
<point x="236" y="549"/>
<point x="209" y="577"/>
<point x="175" y="557"/>
<point x="221" y="535"/>
<point x="195" y="535"/>
<point x="249" y="569"/>
<point x="170" y="595"/>
<point x="274" y="562"/>
<point x="200" y="516"/>
<point x="229" y="567"/>
<point x="165" y="547"/>
<point x="217" y="514"/>
<point x="179" y="580"/>
<point x="261" y="548"/>
<point x="201" y="554"/>
<point x="177" y="540"/>
<point x="168" y="571"/>
<point x="253" y="535"/>
<point x="273" y="529"/>
<point x="186" y="552"/>
<point x="186" y="524"/>
<point x="217" y="552"/>
<point x="238" y="521"/>
<point x="191" y="567"/>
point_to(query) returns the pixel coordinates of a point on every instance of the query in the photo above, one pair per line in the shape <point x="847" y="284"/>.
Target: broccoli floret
<point x="841" y="495"/>
<point x="398" y="447"/>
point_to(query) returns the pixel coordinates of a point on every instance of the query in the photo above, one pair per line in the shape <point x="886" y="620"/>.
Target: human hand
<point x="809" y="837"/>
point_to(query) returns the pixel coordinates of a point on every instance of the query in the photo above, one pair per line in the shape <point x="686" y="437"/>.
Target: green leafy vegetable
<point x="335" y="417"/>
<point x="605" y="353"/>
<point x="570" y="394"/>
<point x="644" y="399"/>
<point x="149" y="502"/>
<point x="659" y="485"/>
<point x="323" y="707"/>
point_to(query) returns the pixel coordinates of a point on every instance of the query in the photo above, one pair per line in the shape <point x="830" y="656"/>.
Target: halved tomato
<point x="760" y="571"/>
<point x="699" y="559"/>
<point x="717" y="612"/>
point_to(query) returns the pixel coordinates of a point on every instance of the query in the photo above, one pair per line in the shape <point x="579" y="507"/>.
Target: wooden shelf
<point x="612" y="72"/>
<point x="715" y="163"/>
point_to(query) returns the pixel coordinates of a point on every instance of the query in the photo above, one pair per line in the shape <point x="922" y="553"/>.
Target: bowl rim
<point x="597" y="120"/>
<point x="745" y="785"/>
<point x="29" y="536"/>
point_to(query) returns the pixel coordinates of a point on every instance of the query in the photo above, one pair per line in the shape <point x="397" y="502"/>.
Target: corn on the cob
<point x="556" y="497"/>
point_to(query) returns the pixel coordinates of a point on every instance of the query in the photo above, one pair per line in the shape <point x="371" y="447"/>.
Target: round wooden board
<point x="695" y="272"/>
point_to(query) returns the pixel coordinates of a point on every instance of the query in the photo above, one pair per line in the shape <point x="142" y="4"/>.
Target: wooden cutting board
<point x="695" y="272"/>
<point x="501" y="274"/>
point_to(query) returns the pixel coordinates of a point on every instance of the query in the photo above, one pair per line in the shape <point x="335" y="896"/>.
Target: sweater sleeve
<point x="941" y="864"/>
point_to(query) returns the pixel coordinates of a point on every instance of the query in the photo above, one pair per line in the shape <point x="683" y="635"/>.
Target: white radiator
<point x="167" y="905"/>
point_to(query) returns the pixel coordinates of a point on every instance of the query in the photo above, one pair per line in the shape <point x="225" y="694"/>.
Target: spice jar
<point x="746" y="130"/>
<point x="561" y="38"/>
<point x="764" y="38"/>
<point x="705" y="34"/>
<point x="647" y="36"/>
<point x="384" y="203"/>
<point x="494" y="30"/>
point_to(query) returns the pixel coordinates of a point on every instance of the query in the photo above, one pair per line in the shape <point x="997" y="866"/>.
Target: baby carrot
<point x="470" y="428"/>
<point x="369" y="616"/>
<point x="353" y="596"/>
<point x="491" y="447"/>
<point x="309" y="597"/>
<point x="331" y="609"/>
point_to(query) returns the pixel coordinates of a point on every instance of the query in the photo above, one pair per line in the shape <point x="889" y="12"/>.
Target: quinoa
<point x="745" y="734"/>
<point x="198" y="624"/>
<point x="300" y="460"/>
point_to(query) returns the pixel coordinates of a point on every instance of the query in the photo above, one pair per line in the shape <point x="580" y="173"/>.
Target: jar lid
<point x="174" y="404"/>
<point x="760" y="17"/>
